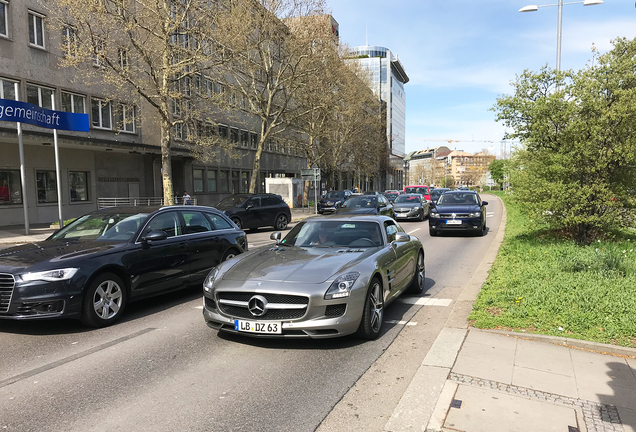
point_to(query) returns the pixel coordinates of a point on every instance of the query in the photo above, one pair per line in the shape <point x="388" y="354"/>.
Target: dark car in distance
<point x="332" y="200"/>
<point x="437" y="192"/>
<point x="411" y="206"/>
<point x="458" y="210"/>
<point x="252" y="211"/>
<point x="391" y="195"/>
<point x="367" y="204"/>
<point x="94" y="266"/>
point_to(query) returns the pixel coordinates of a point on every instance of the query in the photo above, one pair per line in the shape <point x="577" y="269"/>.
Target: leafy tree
<point x="577" y="166"/>
<point x="496" y="169"/>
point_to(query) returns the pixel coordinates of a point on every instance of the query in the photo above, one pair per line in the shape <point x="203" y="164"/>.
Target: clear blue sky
<point x="461" y="55"/>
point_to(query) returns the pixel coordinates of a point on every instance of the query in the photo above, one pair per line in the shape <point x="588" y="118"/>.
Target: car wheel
<point x="373" y="313"/>
<point x="421" y="218"/>
<point x="483" y="230"/>
<point x="417" y="285"/>
<point x="104" y="300"/>
<point x="281" y="222"/>
<point x="229" y="255"/>
<point x="432" y="232"/>
<point x="237" y="222"/>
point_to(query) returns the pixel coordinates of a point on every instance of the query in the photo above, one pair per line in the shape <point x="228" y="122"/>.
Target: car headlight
<point x="435" y="215"/>
<point x="209" y="280"/>
<point x="50" y="275"/>
<point x="477" y="214"/>
<point x="341" y="287"/>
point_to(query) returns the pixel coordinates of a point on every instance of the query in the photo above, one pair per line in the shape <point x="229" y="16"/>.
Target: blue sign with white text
<point x="16" y="111"/>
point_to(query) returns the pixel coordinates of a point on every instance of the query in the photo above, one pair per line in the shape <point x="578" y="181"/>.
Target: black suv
<point x="256" y="210"/>
<point x="331" y="201"/>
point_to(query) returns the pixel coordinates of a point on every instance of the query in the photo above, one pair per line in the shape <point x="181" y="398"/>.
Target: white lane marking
<point x="199" y="307"/>
<point x="411" y="232"/>
<point x="408" y="323"/>
<point x="490" y="214"/>
<point x="426" y="301"/>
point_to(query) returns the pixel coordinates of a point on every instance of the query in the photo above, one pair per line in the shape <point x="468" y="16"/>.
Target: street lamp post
<point x="534" y="8"/>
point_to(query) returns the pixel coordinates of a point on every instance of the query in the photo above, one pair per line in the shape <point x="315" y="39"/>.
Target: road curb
<point x="598" y="347"/>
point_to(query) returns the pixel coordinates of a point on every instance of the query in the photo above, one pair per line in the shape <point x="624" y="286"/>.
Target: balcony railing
<point x="142" y="201"/>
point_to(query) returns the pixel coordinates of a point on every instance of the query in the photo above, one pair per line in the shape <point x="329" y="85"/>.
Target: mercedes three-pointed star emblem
<point x="257" y="305"/>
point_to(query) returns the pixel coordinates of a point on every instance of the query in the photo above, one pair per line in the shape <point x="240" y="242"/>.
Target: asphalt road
<point x="162" y="369"/>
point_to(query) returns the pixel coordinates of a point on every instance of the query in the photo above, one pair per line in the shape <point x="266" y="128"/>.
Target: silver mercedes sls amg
<point x="330" y="276"/>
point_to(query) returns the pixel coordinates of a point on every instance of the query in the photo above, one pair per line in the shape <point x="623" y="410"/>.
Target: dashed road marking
<point x="199" y="307"/>
<point x="402" y="322"/>
<point x="411" y="232"/>
<point x="490" y="214"/>
<point x="426" y="301"/>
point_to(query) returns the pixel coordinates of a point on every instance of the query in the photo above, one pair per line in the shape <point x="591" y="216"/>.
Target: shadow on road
<point x="622" y="381"/>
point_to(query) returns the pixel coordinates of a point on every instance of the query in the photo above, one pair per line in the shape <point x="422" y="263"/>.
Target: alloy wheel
<point x="107" y="300"/>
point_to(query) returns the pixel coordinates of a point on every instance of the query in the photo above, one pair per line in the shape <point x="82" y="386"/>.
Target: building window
<point x="126" y="118"/>
<point x="123" y="58"/>
<point x="235" y="182"/>
<point x="78" y="182"/>
<point x="197" y="175"/>
<point x="7" y="89"/>
<point x="46" y="186"/>
<point x="69" y="41"/>
<point x="98" y="52"/>
<point x="4" y="23"/>
<point x="245" y="181"/>
<point x="223" y="131"/>
<point x="40" y="96"/>
<point x="234" y="135"/>
<point x="73" y="103"/>
<point x="36" y="29"/>
<point x="10" y="187"/>
<point x="178" y="131"/>
<point x="101" y="111"/>
<point x="244" y="138"/>
<point x="223" y="181"/>
<point x="253" y="140"/>
<point x="211" y="181"/>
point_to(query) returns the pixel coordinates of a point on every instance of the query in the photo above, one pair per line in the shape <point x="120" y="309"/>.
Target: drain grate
<point x="573" y="429"/>
<point x="456" y="403"/>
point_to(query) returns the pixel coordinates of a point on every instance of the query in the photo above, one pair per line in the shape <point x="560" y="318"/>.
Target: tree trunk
<point x="256" y="167"/>
<point x="166" y="165"/>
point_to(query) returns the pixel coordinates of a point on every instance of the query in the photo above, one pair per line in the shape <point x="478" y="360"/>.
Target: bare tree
<point x="157" y="54"/>
<point x="272" y="45"/>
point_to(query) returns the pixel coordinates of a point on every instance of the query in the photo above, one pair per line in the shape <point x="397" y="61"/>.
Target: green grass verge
<point x="543" y="284"/>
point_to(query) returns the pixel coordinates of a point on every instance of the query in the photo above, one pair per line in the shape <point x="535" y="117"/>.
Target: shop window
<point x="197" y="175"/>
<point x="46" y="186"/>
<point x="10" y="187"/>
<point x="36" y="29"/>
<point x="78" y="182"/>
<point x="211" y="181"/>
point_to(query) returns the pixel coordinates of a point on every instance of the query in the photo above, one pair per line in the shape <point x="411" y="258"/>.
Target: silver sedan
<point x="330" y="276"/>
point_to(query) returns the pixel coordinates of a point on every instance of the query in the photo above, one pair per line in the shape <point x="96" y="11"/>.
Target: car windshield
<point x="411" y="199"/>
<point x="328" y="233"/>
<point x="457" y="199"/>
<point x="368" y="201"/>
<point x="119" y="227"/>
<point x="335" y="194"/>
<point x="231" y="202"/>
<point x="416" y="190"/>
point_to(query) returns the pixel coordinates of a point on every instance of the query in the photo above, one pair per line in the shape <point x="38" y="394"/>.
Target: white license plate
<point x="258" y="327"/>
<point x="453" y="222"/>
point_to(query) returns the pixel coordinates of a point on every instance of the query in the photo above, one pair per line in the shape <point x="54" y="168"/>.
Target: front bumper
<point x="315" y="323"/>
<point x="413" y="214"/>
<point x="322" y="208"/>
<point x="39" y="300"/>
<point x="465" y="224"/>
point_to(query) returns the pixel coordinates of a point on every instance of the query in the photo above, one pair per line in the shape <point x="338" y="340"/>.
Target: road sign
<point x="311" y="174"/>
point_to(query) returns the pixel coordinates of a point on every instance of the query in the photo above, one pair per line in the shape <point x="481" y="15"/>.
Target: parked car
<point x="93" y="267"/>
<point x="418" y="189"/>
<point x="252" y="211"/>
<point x="458" y="210"/>
<point x="391" y="195"/>
<point x="371" y="193"/>
<point x="411" y="206"/>
<point x="331" y="200"/>
<point x="436" y="193"/>
<point x="367" y="204"/>
<point x="302" y="287"/>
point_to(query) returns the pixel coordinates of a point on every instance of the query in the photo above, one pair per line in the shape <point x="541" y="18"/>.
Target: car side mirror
<point x="484" y="203"/>
<point x="155" y="235"/>
<point x="248" y="207"/>
<point x="401" y="237"/>
<point x="276" y="236"/>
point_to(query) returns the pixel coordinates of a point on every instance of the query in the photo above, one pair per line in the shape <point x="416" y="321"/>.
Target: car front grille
<point x="335" y="310"/>
<point x="287" y="307"/>
<point x="457" y="215"/>
<point x="7" y="283"/>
